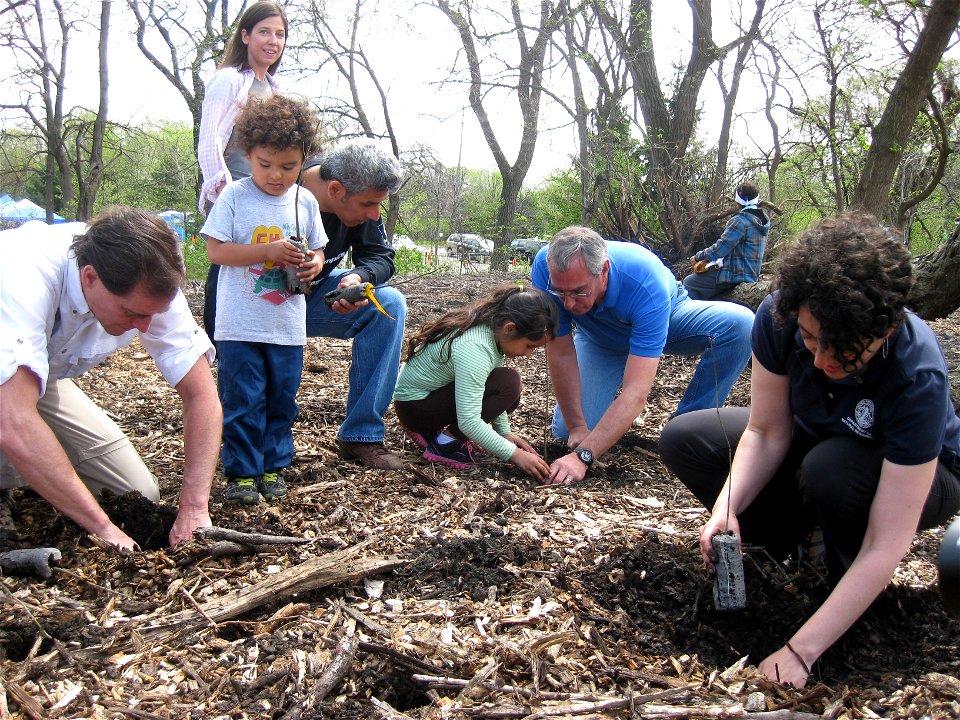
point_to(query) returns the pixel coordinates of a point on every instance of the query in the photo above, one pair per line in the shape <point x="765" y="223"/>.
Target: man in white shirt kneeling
<point x="70" y="295"/>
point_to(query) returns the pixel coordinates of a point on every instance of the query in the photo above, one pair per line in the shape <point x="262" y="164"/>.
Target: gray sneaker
<point x="242" y="491"/>
<point x="271" y="485"/>
<point x="8" y="531"/>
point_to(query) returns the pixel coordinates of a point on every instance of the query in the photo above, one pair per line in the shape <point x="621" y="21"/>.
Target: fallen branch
<point x="35" y="562"/>
<point x="219" y="533"/>
<point x="457" y="683"/>
<point x="397" y="656"/>
<point x="385" y="709"/>
<point x="317" y="572"/>
<point x="332" y="675"/>
<point x="670" y="712"/>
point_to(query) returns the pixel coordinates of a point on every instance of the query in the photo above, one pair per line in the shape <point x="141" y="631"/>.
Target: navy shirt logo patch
<point x="864" y="414"/>
<point x="863" y="418"/>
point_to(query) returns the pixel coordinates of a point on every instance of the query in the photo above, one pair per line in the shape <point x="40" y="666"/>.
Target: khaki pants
<point x="99" y="451"/>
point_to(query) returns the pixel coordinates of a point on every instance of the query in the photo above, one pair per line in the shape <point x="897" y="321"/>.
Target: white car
<point x="470" y="245"/>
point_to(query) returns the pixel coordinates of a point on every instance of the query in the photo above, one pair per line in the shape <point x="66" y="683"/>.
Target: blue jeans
<point x="375" y="364"/>
<point x="719" y="331"/>
<point x="258" y="384"/>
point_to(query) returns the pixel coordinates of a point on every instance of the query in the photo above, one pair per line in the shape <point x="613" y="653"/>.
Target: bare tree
<point x="180" y="38"/>
<point x="729" y="93"/>
<point x="40" y="40"/>
<point x="523" y="78"/>
<point x="344" y="50"/>
<point x="911" y="89"/>
<point x="669" y="122"/>
<point x="89" y="178"/>
<point x="601" y="124"/>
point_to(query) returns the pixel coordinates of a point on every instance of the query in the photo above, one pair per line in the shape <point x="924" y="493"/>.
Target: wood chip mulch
<point x="436" y="593"/>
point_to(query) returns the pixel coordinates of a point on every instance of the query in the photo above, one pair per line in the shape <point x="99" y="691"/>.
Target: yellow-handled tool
<point x="355" y="293"/>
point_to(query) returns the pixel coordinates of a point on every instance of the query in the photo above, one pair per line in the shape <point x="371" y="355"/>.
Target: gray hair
<point x="577" y="240"/>
<point x="359" y="166"/>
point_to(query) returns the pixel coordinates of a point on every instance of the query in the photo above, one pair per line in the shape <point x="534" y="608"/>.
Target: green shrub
<point x="195" y="258"/>
<point x="411" y="262"/>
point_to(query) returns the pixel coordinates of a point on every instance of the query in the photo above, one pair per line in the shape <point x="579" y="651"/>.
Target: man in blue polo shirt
<point x="629" y="310"/>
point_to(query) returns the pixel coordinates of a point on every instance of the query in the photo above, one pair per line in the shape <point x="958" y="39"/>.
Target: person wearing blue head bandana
<point x="737" y="256"/>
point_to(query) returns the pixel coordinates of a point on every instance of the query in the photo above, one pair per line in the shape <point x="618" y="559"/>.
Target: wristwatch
<point x="586" y="457"/>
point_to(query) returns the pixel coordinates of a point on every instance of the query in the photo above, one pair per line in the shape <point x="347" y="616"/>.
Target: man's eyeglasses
<point x="579" y="292"/>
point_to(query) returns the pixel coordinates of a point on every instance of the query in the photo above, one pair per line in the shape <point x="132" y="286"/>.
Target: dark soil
<point x="597" y="588"/>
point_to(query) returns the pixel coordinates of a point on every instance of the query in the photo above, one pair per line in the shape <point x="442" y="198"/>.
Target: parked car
<point x="469" y="245"/>
<point x="526" y="248"/>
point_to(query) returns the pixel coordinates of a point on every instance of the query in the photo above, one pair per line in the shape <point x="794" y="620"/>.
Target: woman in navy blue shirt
<point x="851" y="428"/>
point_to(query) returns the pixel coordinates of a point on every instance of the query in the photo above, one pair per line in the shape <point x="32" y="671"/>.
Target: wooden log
<point x="35" y="562"/>
<point x="332" y="675"/>
<point x="317" y="572"/>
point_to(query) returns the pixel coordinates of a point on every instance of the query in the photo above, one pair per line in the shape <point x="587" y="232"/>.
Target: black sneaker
<point x="479" y="455"/>
<point x="271" y="485"/>
<point x="452" y="454"/>
<point x="456" y="454"/>
<point x="8" y="531"/>
<point x="417" y="438"/>
<point x="242" y="491"/>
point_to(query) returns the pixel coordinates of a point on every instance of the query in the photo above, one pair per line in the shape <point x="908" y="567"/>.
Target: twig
<point x="421" y="474"/>
<point x="410" y="662"/>
<point x="196" y="606"/>
<point x="219" y="533"/>
<point x="451" y="682"/>
<point x="331" y="676"/>
<point x="387" y="710"/>
<point x="266" y="681"/>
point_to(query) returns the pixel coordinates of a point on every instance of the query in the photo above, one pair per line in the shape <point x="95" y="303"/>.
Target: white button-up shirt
<point x="47" y="326"/>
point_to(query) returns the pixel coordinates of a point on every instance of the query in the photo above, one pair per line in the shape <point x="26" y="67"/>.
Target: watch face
<point x="586" y="457"/>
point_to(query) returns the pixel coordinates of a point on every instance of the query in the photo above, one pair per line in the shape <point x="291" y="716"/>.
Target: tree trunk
<point x="890" y="135"/>
<point x="529" y="90"/>
<point x="935" y="295"/>
<point x="719" y="181"/>
<point x="89" y="181"/>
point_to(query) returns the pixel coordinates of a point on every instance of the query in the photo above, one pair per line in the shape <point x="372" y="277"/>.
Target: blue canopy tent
<point x="23" y="210"/>
<point x="177" y="220"/>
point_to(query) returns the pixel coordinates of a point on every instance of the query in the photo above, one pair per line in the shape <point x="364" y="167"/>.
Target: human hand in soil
<point x="113" y="538"/>
<point x="531" y="463"/>
<point x="186" y="523"/>
<point x="785" y="668"/>
<point x="719" y="522"/>
<point x="566" y="470"/>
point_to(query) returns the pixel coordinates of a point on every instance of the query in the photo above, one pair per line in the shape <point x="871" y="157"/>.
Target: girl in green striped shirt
<point x="454" y="395"/>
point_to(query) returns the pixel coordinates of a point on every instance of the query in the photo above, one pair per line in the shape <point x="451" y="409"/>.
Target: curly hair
<point x="533" y="312"/>
<point x="280" y="122"/>
<point x="853" y="275"/>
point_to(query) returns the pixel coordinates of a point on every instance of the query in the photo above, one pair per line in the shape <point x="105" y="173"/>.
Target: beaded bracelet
<point x="799" y="657"/>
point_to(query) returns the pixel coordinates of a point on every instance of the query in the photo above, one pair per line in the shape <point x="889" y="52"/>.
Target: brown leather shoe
<point x="373" y="455"/>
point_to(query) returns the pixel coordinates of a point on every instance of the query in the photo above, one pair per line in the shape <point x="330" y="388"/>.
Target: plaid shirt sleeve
<point x="741" y="246"/>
